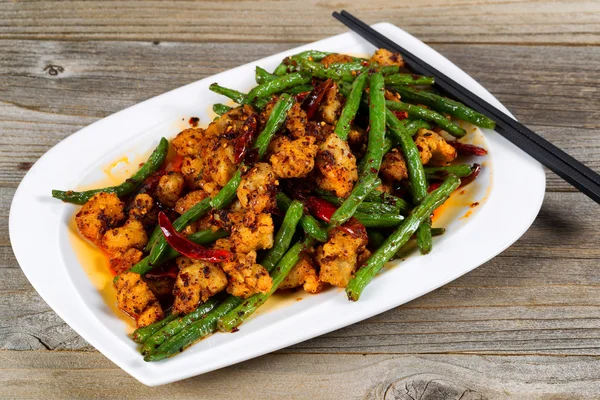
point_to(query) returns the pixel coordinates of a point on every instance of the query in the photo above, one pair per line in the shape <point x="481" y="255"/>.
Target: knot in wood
<point x="430" y="387"/>
<point x="54" y="69"/>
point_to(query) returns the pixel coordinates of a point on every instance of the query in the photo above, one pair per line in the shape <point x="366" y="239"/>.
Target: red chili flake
<point x="315" y="97"/>
<point x="323" y="209"/>
<point x="364" y="63"/>
<point x="468" y="149"/>
<point x="188" y="248"/>
<point x="245" y="139"/>
<point x="401" y="115"/>
<point x="194" y="121"/>
<point x="471" y="177"/>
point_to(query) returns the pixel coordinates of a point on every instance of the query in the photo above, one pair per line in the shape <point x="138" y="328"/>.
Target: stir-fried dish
<point x="320" y="175"/>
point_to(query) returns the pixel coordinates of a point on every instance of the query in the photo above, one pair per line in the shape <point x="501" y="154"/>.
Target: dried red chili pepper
<point x="315" y="97"/>
<point x="188" y="248"/>
<point x="323" y="209"/>
<point x="246" y="137"/>
<point x="401" y="115"/>
<point x="471" y="177"/>
<point x="301" y="96"/>
<point x="433" y="186"/>
<point x="468" y="149"/>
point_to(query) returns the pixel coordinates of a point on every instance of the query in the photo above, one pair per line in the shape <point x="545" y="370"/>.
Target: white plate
<point x="52" y="266"/>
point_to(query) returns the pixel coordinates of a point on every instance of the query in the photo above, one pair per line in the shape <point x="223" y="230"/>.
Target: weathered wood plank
<point x="538" y="297"/>
<point x="100" y="78"/>
<point x="429" y="377"/>
<point x="487" y="21"/>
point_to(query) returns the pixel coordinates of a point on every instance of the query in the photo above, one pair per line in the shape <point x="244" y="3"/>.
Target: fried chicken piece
<point x="141" y="207"/>
<point x="254" y="232"/>
<point x="121" y="262"/>
<point x="433" y="149"/>
<point x="190" y="200"/>
<point x="293" y="158"/>
<point x="191" y="168"/>
<point x="385" y="58"/>
<point x="336" y="165"/>
<point x="169" y="188"/>
<point x="219" y="166"/>
<point x="229" y="124"/>
<point x="258" y="188"/>
<point x="189" y="142"/>
<point x="99" y="214"/>
<point x="130" y="235"/>
<point x="303" y="274"/>
<point x="331" y="106"/>
<point x="135" y="298"/>
<point x="357" y="139"/>
<point x="336" y="59"/>
<point x="246" y="277"/>
<point x="196" y="282"/>
<point x="393" y="166"/>
<point x="296" y="121"/>
<point x="338" y="258"/>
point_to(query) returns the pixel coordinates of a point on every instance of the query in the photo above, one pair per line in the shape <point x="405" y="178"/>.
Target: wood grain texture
<point x="524" y="325"/>
<point x="469" y="21"/>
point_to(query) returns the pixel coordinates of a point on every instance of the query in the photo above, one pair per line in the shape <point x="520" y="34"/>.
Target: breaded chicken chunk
<point x="190" y="200"/>
<point x="229" y="124"/>
<point x="130" y="235"/>
<point x="331" y="106"/>
<point x="101" y="213"/>
<point x="433" y="149"/>
<point x="293" y="158"/>
<point x="121" y="262"/>
<point x="303" y="274"/>
<point x="258" y="188"/>
<point x="191" y="168"/>
<point x="338" y="258"/>
<point x="296" y="121"/>
<point x="336" y="165"/>
<point x="141" y="206"/>
<point x="218" y="166"/>
<point x="393" y="166"/>
<point x="246" y="277"/>
<point x="254" y="232"/>
<point x="189" y="142"/>
<point x="169" y="188"/>
<point x="135" y="298"/>
<point x="336" y="59"/>
<point x="385" y="58"/>
<point x="196" y="282"/>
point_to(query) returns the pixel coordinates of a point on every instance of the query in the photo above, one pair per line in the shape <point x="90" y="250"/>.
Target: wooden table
<point x="524" y="325"/>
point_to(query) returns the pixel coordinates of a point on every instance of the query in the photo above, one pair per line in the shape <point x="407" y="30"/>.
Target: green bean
<point x="262" y="75"/>
<point x="236" y="316"/>
<point x="408" y="79"/>
<point x="140" y="335"/>
<point x="155" y="161"/>
<point x="309" y="224"/>
<point x="460" y="170"/>
<point x="281" y="69"/>
<point x="228" y="192"/>
<point x="339" y="71"/>
<point x="342" y="127"/>
<point x="385" y="198"/>
<point x="177" y="325"/>
<point x="379" y="220"/>
<point x="233" y="94"/>
<point x="366" y="207"/>
<point x="315" y="55"/>
<point x="300" y="89"/>
<point x="397" y="239"/>
<point x="194" y="332"/>
<point x="284" y="235"/>
<point x="438" y="231"/>
<point x="423" y="113"/>
<point x="376" y="238"/>
<point x="388" y="69"/>
<point x="220" y="109"/>
<point x="445" y="105"/>
<point x="424" y="241"/>
<point x="277" y="85"/>
<point x="412" y="126"/>
<point x="416" y="174"/>
<point x="368" y="180"/>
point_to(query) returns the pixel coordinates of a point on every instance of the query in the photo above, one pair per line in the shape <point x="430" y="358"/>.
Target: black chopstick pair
<point x="565" y="166"/>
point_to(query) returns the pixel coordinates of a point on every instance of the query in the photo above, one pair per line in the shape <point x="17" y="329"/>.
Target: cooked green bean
<point x="424" y="240"/>
<point x="438" y="231"/>
<point x="339" y="71"/>
<point x="460" y="170"/>
<point x="412" y="126"/>
<point x="233" y="94"/>
<point x="342" y="127"/>
<point x="220" y="109"/>
<point x="380" y="197"/>
<point x="367" y="207"/>
<point x="376" y="238"/>
<point x="276" y="120"/>
<point x="236" y="316"/>
<point x="445" y="105"/>
<point x="309" y="224"/>
<point x="387" y="70"/>
<point x="408" y="79"/>
<point x="300" y="89"/>
<point x="140" y="335"/>
<point x="155" y="161"/>
<point x="277" y="85"/>
<point x="423" y="113"/>
<point x="281" y="69"/>
<point x="284" y="235"/>
<point x="379" y="220"/>
<point x="262" y="75"/>
<point x="194" y="332"/>
<point x="399" y="238"/>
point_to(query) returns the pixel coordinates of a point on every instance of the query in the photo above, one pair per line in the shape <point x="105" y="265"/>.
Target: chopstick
<point x="571" y="170"/>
